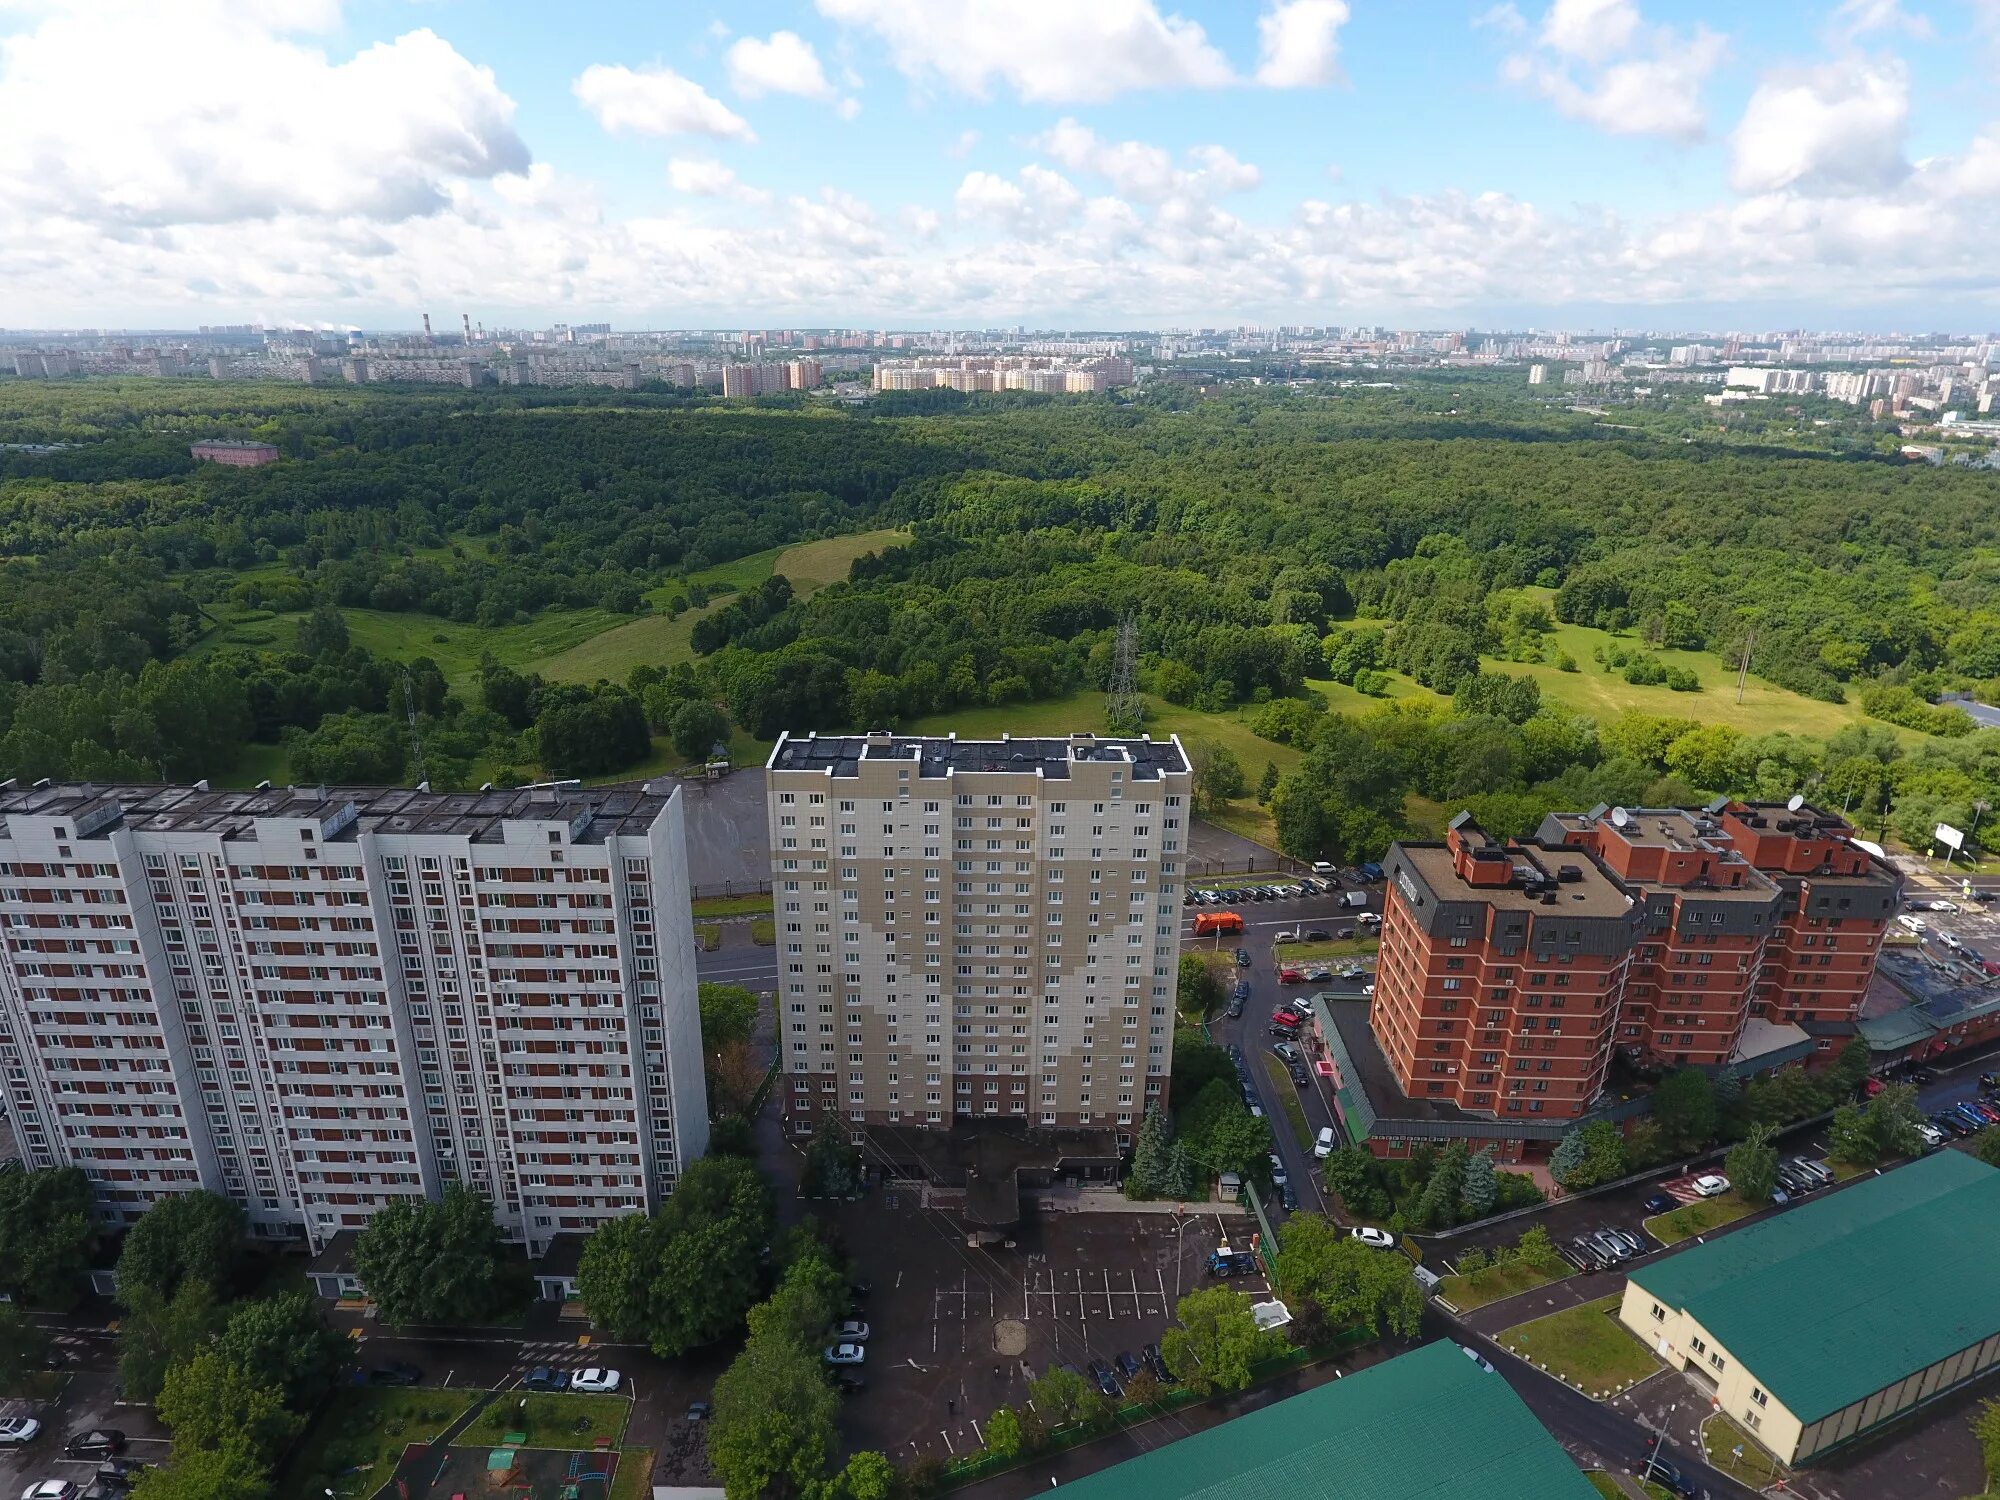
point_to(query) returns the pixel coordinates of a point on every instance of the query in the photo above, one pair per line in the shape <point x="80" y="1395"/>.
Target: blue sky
<point x="960" y="162"/>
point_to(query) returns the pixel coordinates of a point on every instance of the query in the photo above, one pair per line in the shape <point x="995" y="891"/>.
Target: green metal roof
<point x="1831" y="1301"/>
<point x="1429" y="1425"/>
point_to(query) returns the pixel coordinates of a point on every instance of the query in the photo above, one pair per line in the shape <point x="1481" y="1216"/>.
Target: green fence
<point x="966" y="1470"/>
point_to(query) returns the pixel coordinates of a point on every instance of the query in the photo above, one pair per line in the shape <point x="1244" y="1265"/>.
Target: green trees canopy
<point x="46" y="1236"/>
<point x="432" y="1263"/>
<point x="1216" y="1340"/>
<point x="192" y="1236"/>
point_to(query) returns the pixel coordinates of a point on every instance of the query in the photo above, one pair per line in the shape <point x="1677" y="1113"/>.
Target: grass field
<point x="354" y="1443"/>
<point x="1587" y="1346"/>
<point x="655" y="640"/>
<point x="551" y="1419"/>
<point x="1493" y="1284"/>
<point x="1699" y="1217"/>
<point x="634" y="1479"/>
<point x="1295" y="1112"/>
<point x="732" y="906"/>
<point x="1721" y="1437"/>
<point x="1338" y="948"/>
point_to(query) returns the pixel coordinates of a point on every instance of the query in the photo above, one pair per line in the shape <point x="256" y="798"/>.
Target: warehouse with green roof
<point x="1816" y="1326"/>
<point x="1428" y="1425"/>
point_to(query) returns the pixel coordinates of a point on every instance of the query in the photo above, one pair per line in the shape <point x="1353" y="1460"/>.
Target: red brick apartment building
<point x="237" y="453"/>
<point x="1511" y="974"/>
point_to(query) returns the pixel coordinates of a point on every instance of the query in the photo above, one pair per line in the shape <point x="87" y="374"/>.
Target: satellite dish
<point x="1798" y="801"/>
<point x="1620" y="817"/>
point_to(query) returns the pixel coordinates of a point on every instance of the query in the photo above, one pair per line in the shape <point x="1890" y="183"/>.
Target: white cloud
<point x="1838" y="128"/>
<point x="1040" y="201"/>
<point x="1047" y="51"/>
<point x="784" y="64"/>
<point x="1598" y="62"/>
<point x="383" y="134"/>
<point x="704" y="177"/>
<point x="1299" y="43"/>
<point x="1856" y="18"/>
<point x="961" y="148"/>
<point x="1504" y="17"/>
<point x="1145" y="172"/>
<point x="655" y="101"/>
<point x="848" y="108"/>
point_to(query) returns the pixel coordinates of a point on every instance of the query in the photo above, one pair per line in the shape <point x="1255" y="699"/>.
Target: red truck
<point x="1227" y="922"/>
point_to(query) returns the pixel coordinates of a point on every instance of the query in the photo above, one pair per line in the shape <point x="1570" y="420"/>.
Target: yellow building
<point x="1817" y="1326"/>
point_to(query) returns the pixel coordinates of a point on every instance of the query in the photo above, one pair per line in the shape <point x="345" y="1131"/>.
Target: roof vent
<point x="1570" y="873"/>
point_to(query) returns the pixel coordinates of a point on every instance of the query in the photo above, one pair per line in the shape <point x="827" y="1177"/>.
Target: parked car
<point x="1478" y="1359"/>
<point x="595" y="1380"/>
<point x="845" y="1354"/>
<point x="1287" y="1052"/>
<point x="51" y="1489"/>
<point x="1242" y="958"/>
<point x="1235" y="1009"/>
<point x="1101" y="1376"/>
<point x="542" y="1378"/>
<point x="97" y="1442"/>
<point x="1661" y="1203"/>
<point x="852" y="1331"/>
<point x="849" y="1382"/>
<point x="1151" y="1355"/>
<point x="1318" y="974"/>
<point x="1588" y="1254"/>
<point x="1613" y="1247"/>
<point x="699" y="1411"/>
<point x="15" y="1431"/>
<point x="1241" y="991"/>
<point x="1288" y="1196"/>
<point x="396" y="1372"/>
<point x="1912" y="924"/>
<point x="1324" y="1143"/>
<point x="1632" y="1243"/>
<point x="1797" y="1184"/>
<point x="1951" y="1125"/>
<point x="1373" y="1238"/>
<point x="1711" y="1185"/>
<point x="1299" y="1076"/>
<point x="1127" y="1364"/>
<point x="1370" y="919"/>
<point x="1319" y="935"/>
<point x="1290" y="975"/>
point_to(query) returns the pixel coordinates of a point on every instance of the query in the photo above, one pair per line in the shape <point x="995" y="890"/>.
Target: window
<point x="1759" y="1397"/>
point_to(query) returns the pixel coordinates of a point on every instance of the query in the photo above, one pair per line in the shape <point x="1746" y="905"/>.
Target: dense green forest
<point x="160" y="617"/>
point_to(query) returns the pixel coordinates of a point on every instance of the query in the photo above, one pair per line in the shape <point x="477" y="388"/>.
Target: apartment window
<point x="1659" y="1313"/>
<point x="1758" y="1396"/>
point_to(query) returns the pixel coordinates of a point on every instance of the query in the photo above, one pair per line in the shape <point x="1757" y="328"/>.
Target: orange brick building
<point x="1511" y="975"/>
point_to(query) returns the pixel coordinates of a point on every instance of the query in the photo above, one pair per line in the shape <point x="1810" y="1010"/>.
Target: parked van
<point x="1354" y="899"/>
<point x="1819" y="1172"/>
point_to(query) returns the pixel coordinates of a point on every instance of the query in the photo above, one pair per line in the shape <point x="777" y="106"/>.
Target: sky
<point x="1097" y="164"/>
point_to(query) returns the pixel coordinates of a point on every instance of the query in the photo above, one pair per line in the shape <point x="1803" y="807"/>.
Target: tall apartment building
<point x="972" y="929"/>
<point x="1510" y="974"/>
<point x="316" y="1001"/>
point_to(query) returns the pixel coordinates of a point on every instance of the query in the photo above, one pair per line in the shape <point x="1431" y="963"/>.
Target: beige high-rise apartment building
<point x="319" y="1000"/>
<point x="976" y="929"/>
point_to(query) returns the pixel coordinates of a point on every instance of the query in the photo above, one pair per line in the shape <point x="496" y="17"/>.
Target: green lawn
<point x="1247" y="877"/>
<point x="1698" y="1217"/>
<point x="1288" y="1097"/>
<point x="634" y="1479"/>
<point x="1494" y="1284"/>
<point x="708" y="935"/>
<point x="1721" y="1437"/>
<point x="1297" y="953"/>
<point x="552" y="1419"/>
<point x="1587" y="1346"/>
<point x="763" y="931"/>
<point x="732" y="906"/>
<point x="1604" y="1484"/>
<point x="354" y="1443"/>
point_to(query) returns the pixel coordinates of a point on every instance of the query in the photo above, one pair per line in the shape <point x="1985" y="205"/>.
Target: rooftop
<point x="595" y="812"/>
<point x="1428" y="1425"/>
<point x="1580" y="886"/>
<point x="948" y="755"/>
<point x="1835" y="1299"/>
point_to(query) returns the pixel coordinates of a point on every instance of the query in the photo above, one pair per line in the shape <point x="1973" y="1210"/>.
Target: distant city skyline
<point x="1628" y="166"/>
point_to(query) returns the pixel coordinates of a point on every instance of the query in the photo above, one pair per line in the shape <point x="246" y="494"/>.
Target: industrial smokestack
<point x="466" y="318"/>
<point x="427" y="325"/>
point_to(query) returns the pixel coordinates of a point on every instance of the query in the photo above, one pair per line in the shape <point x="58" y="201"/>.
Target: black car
<point x="1951" y="1123"/>
<point x="1242" y="990"/>
<point x="850" y="1383"/>
<point x="1127" y="1365"/>
<point x="541" y="1378"/>
<point x="98" y="1442"/>
<point x="1300" y="1077"/>
<point x="1660" y="1203"/>
<point x="1288" y="1197"/>
<point x="1319" y="935"/>
<point x="1105" y="1381"/>
<point x="1671" y="1479"/>
<point x="1587" y="1254"/>
<point x="396" y="1372"/>
<point x="1151" y="1355"/>
<point x="1235" y="1009"/>
<point x="1242" y="958"/>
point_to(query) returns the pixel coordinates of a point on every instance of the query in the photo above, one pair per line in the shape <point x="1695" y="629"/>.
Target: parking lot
<point x="958" y="1331"/>
<point x="88" y="1401"/>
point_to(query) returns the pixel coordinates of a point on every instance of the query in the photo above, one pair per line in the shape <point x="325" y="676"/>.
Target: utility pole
<point x="1743" y="666"/>
<point x="1124" y="708"/>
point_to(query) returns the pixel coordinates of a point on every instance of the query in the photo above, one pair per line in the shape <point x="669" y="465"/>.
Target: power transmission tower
<point x="1743" y="667"/>
<point x="416" y="738"/>
<point x="1124" y="708"/>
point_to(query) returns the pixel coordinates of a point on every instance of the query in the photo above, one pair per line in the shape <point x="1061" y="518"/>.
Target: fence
<point x="967" y="1470"/>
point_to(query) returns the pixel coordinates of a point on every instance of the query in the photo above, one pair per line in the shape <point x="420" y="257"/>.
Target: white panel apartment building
<point x="972" y="929"/>
<point x="316" y="1000"/>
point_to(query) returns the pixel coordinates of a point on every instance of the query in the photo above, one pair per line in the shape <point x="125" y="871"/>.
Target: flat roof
<point x="1831" y="1301"/>
<point x="1589" y="892"/>
<point x="1427" y="1425"/>
<point x="947" y="755"/>
<point x="155" y="807"/>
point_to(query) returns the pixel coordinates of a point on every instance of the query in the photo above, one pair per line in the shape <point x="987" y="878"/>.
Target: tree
<point x="157" y="1333"/>
<point x="1437" y="1205"/>
<point x="211" y="1402"/>
<point x="696" y="728"/>
<point x="1352" y="1172"/>
<point x="1198" y="1062"/>
<point x="46" y="1235"/>
<point x="1587" y="1155"/>
<point x="232" y="1473"/>
<point x="1482" y="1185"/>
<point x="1849" y="1139"/>
<point x="1268" y="782"/>
<point x="323" y="632"/>
<point x="1183" y="1173"/>
<point x="1538" y="1250"/>
<point x="1061" y="1396"/>
<point x="1350" y="1284"/>
<point x="1148" y="1177"/>
<point x="1003" y="1433"/>
<point x="1197" y="991"/>
<point x="809" y="1297"/>
<point x="772" y="1433"/>
<point x="1986" y="1146"/>
<point x="195" y="1236"/>
<point x="1221" y="1133"/>
<point x="832" y="1165"/>
<point x="1896" y="1122"/>
<point x="1849" y="1070"/>
<point x="868" y="1476"/>
<point x="1218" y="775"/>
<point x="281" y="1342"/>
<point x="1216" y="1341"/>
<point x="1684" y="1109"/>
<point x="1986" y="1428"/>
<point x="1752" y="1165"/>
<point x="728" y="1013"/>
<point x="614" y="1274"/>
<point x="24" y="1346"/>
<point x="434" y="1263"/>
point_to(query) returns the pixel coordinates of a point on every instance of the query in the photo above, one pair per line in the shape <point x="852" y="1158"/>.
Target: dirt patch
<point x="1010" y="1337"/>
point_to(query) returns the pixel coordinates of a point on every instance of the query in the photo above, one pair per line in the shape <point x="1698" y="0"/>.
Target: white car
<point x="1913" y="924"/>
<point x="1373" y="1238"/>
<point x="846" y="1354"/>
<point x="1712" y="1185"/>
<point x="1478" y="1359"/>
<point x="1370" y="919"/>
<point x="51" y="1489"/>
<point x="1323" y="1146"/>
<point x="594" y="1379"/>
<point x="1946" y="906"/>
<point x="852" y="1331"/>
<point x="15" y="1430"/>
